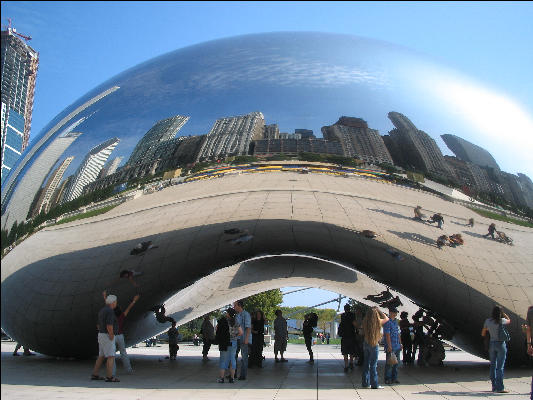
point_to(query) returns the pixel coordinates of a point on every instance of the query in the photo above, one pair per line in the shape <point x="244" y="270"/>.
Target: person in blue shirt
<point x="393" y="345"/>
<point x="245" y="340"/>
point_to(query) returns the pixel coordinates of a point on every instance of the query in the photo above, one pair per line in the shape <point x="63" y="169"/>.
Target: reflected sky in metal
<point x="297" y="80"/>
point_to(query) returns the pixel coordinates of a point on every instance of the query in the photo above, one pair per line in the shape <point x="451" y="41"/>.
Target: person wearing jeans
<point x="244" y="320"/>
<point x="392" y="346"/>
<point x="370" y="365"/>
<point x="497" y="347"/>
<point x="372" y="327"/>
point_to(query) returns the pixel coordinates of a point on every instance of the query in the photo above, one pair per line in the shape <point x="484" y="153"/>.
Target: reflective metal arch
<point x="296" y="79"/>
<point x="53" y="281"/>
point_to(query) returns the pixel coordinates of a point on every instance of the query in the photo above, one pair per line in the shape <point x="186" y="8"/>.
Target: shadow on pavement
<point x="415" y="237"/>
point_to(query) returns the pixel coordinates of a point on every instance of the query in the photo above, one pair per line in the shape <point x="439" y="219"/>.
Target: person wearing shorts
<point x="107" y="326"/>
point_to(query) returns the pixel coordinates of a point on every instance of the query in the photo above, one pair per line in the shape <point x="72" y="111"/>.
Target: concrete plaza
<point x="40" y="377"/>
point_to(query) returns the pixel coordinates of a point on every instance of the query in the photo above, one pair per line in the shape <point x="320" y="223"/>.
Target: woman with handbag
<point x="495" y="326"/>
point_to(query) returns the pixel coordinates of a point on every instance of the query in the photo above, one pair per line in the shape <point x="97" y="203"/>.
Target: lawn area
<point x="503" y="218"/>
<point x="87" y="214"/>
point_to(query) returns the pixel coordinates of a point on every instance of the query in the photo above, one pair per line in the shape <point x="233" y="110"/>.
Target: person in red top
<point x="119" y="336"/>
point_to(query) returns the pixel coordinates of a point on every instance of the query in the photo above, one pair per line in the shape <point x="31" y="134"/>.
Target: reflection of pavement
<point x="188" y="378"/>
<point x="62" y="270"/>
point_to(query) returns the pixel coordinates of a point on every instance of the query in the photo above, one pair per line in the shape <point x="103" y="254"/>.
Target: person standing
<point x="392" y="346"/>
<point x="372" y="327"/>
<point x="258" y="338"/>
<point x="347" y="333"/>
<point x="244" y="341"/>
<point x="529" y="334"/>
<point x="107" y="326"/>
<point x="308" y="332"/>
<point x="227" y="333"/>
<point x="208" y="335"/>
<point x="173" y="341"/>
<point x="359" y="336"/>
<point x="281" y="335"/>
<point x="405" y="336"/>
<point x="119" y="337"/>
<point x="419" y="340"/>
<point x="497" y="346"/>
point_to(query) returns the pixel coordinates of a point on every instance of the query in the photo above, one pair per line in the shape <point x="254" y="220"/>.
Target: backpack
<point x="340" y="329"/>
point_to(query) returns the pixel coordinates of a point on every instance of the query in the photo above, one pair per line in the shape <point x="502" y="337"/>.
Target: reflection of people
<point x="441" y="241"/>
<point x="280" y="336"/>
<point x="160" y="311"/>
<point x="418" y="213"/>
<point x="438" y="219"/>
<point x="27" y="351"/>
<point x="492" y="229"/>
<point x="372" y="323"/>
<point x="142" y="247"/>
<point x="470" y="222"/>
<point x="456" y="240"/>
<point x="497" y="347"/>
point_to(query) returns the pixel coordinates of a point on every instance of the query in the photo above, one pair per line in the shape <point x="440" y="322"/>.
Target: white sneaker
<point x="379" y="387"/>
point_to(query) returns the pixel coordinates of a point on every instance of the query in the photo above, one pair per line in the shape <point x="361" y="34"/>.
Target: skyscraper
<point x="466" y="151"/>
<point x="19" y="64"/>
<point x="17" y="189"/>
<point x="411" y="147"/>
<point x="271" y="131"/>
<point x="232" y="136"/>
<point x="305" y="133"/>
<point x="90" y="168"/>
<point x="158" y="134"/>
<point x="111" y="167"/>
<point x="43" y="203"/>
<point x="358" y="140"/>
<point x="23" y="196"/>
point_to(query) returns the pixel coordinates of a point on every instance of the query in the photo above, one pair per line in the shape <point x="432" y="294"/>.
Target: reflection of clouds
<point x="285" y="71"/>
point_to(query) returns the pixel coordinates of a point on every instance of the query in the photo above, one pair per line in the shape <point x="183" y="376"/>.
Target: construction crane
<point x="14" y="30"/>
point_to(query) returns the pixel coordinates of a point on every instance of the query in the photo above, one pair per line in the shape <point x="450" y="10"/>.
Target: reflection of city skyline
<point x="250" y="134"/>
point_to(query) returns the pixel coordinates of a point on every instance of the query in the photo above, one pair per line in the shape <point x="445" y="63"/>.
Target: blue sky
<point x="81" y="44"/>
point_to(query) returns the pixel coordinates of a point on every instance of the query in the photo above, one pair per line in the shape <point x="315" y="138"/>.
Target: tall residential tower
<point x="19" y="64"/>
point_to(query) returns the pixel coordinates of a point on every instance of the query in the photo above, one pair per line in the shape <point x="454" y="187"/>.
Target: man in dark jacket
<point x="347" y="333"/>
<point x="308" y="333"/>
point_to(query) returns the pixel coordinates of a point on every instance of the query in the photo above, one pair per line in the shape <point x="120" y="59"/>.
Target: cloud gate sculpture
<point x="288" y="228"/>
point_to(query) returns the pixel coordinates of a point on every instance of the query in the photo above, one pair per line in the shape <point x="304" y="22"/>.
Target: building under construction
<point x="19" y="65"/>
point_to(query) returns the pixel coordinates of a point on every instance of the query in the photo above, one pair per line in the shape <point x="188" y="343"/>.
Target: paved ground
<point x="463" y="376"/>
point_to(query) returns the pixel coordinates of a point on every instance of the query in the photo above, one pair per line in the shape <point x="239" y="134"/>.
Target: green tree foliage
<point x="243" y="160"/>
<point x="268" y="302"/>
<point x="329" y="158"/>
<point x="325" y="315"/>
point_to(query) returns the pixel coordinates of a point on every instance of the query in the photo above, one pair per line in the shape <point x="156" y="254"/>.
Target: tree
<point x="267" y="302"/>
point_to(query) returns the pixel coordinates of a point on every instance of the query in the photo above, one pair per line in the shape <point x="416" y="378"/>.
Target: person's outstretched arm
<point x="135" y="298"/>
<point x="382" y="317"/>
